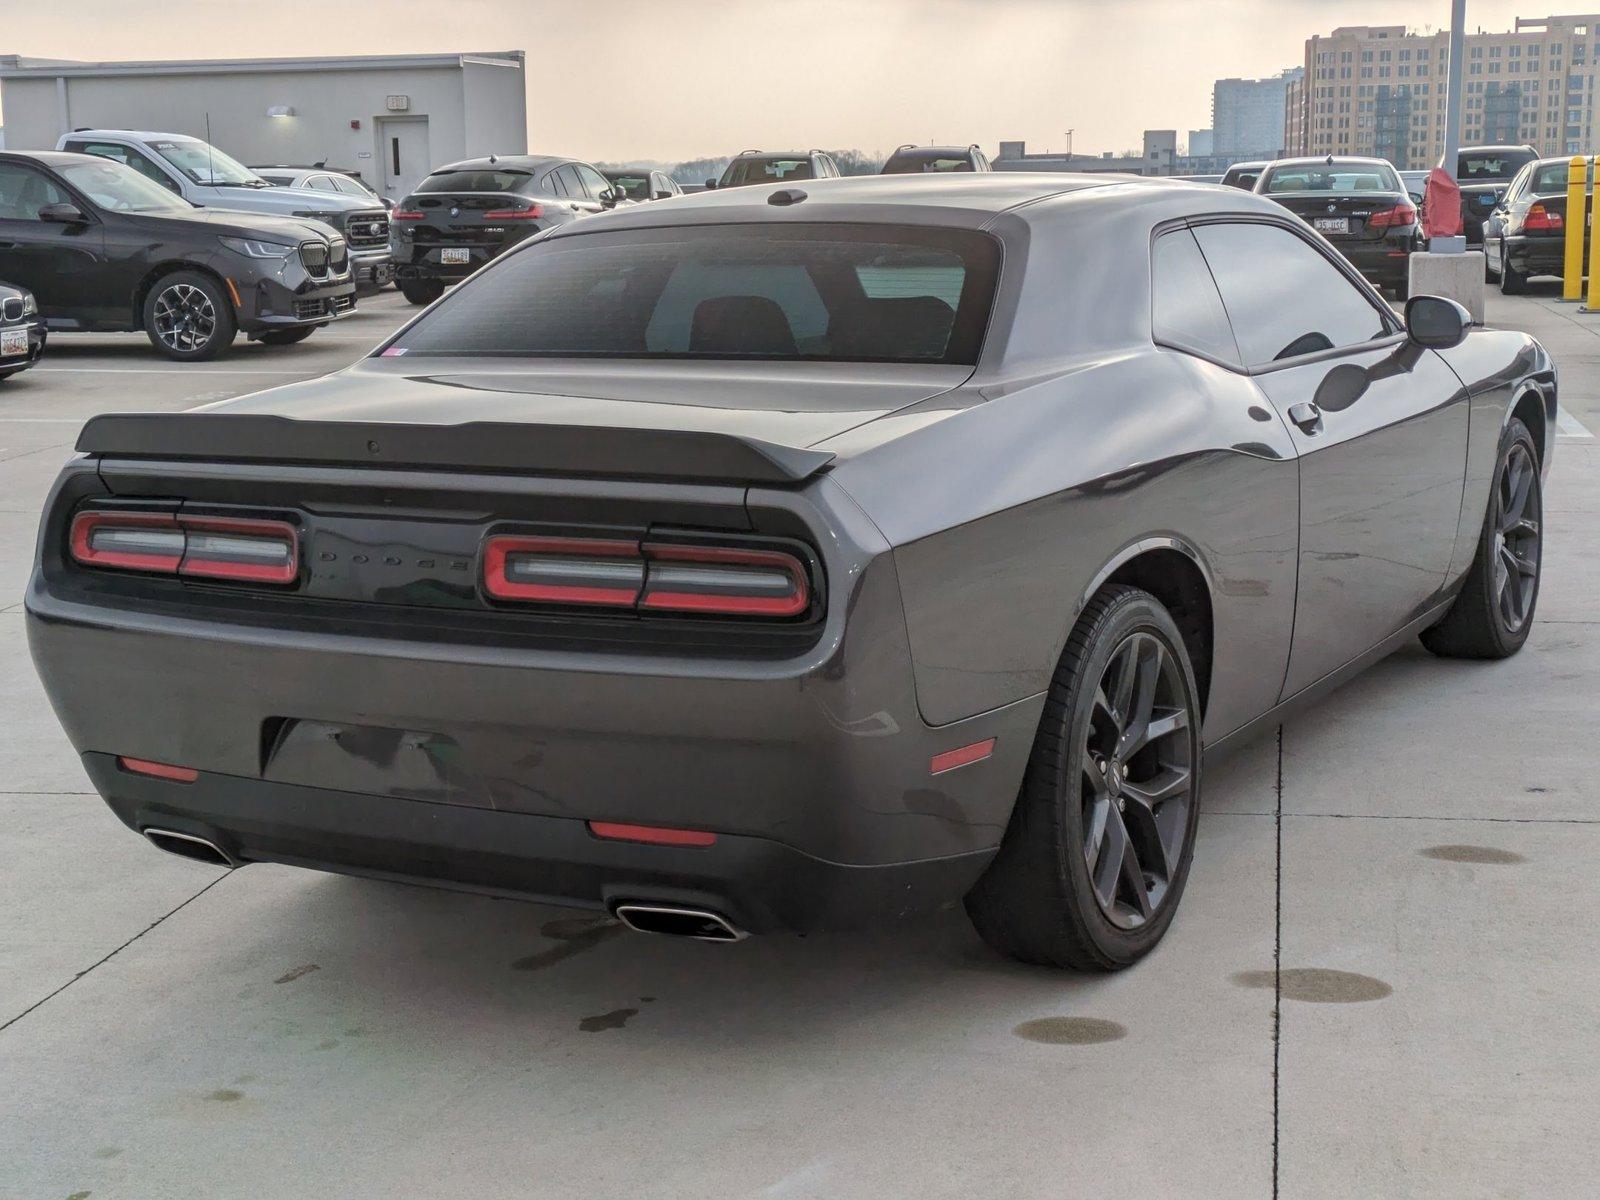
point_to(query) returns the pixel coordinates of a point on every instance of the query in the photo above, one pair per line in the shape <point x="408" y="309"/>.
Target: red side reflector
<point x="949" y="760"/>
<point x="654" y="834"/>
<point x="143" y="766"/>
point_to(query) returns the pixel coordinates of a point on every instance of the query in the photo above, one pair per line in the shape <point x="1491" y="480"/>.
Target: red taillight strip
<point x="656" y="835"/>
<point x="497" y="569"/>
<point x="200" y="559"/>
<point x="143" y="766"/>
<point x="963" y="756"/>
<point x="407" y="214"/>
<point x="1393" y="218"/>
<point x="83" y="549"/>
<point x="531" y="213"/>
<point x="795" y="602"/>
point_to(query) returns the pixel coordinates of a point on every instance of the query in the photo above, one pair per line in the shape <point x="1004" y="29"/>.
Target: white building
<point x="1247" y="114"/>
<point x="390" y="117"/>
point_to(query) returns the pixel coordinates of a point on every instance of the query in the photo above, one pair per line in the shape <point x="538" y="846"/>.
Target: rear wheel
<point x="288" y="337"/>
<point x="421" y="291"/>
<point x="1512" y="281"/>
<point x="1097" y="852"/>
<point x="1492" y="615"/>
<point x="188" y="317"/>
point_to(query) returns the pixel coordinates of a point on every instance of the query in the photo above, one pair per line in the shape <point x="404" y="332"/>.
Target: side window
<point x="1283" y="298"/>
<point x="321" y="183"/>
<point x="23" y="192"/>
<point x="596" y="183"/>
<point x="1185" y="310"/>
<point x="551" y="185"/>
<point x="128" y="157"/>
<point x="570" y="180"/>
<point x="349" y="187"/>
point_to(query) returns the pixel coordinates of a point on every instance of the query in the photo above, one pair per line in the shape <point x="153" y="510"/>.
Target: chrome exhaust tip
<point x="188" y="845"/>
<point x="698" y="923"/>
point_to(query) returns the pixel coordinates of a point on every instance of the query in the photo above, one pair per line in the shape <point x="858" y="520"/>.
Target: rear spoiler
<point x="484" y="446"/>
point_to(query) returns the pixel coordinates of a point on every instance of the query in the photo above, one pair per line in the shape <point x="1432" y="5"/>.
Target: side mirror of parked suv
<point x="711" y="185"/>
<point x="1436" y="323"/>
<point x="62" y="213"/>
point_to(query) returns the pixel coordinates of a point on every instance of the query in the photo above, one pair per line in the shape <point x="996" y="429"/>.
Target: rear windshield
<point x="475" y="181"/>
<point x="1339" y="178"/>
<point x="634" y="186"/>
<point x="801" y="292"/>
<point x="1552" y="177"/>
<point x="1475" y="167"/>
<point x="765" y="170"/>
<point x="918" y="164"/>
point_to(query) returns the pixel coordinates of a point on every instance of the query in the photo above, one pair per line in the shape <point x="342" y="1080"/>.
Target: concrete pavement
<point x="1417" y="851"/>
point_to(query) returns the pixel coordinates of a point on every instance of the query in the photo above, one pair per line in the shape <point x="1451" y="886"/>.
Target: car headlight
<point x="29" y="305"/>
<point x="252" y="248"/>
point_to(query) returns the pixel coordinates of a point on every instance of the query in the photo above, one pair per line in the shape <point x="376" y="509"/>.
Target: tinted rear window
<point x="786" y="292"/>
<point x="634" y="186"/>
<point x="766" y="170"/>
<point x="1479" y="168"/>
<point x="1550" y="178"/>
<point x="476" y="181"/>
<point x="918" y="164"/>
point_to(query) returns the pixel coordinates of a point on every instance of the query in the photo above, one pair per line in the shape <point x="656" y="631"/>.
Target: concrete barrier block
<point x="1458" y="277"/>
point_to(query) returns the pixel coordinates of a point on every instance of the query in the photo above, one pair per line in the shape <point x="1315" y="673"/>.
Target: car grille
<point x="367" y="230"/>
<point x="314" y="257"/>
<point x="338" y="256"/>
<point x="322" y="306"/>
<point x="13" y="308"/>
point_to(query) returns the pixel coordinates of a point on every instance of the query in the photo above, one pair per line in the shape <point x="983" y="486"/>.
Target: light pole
<point x="1452" y="115"/>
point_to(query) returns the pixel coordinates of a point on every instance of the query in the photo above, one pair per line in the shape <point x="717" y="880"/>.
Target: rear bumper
<point x="1385" y="261"/>
<point x="1537" y="256"/>
<point x="759" y="884"/>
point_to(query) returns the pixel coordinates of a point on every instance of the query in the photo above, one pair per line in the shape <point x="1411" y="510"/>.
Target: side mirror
<point x="660" y="195"/>
<point x="711" y="185"/>
<point x="62" y="214"/>
<point x="612" y="197"/>
<point x="1436" y="323"/>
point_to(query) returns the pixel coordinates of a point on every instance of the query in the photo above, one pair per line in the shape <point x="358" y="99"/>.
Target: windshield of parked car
<point x="765" y="170"/>
<point x="121" y="189"/>
<point x="919" y="164"/>
<point x="1490" y="167"/>
<point x="1341" y="178"/>
<point x="634" y="185"/>
<point x="475" y="181"/>
<point x="801" y="292"/>
<point x="206" y="165"/>
<point x="1549" y="179"/>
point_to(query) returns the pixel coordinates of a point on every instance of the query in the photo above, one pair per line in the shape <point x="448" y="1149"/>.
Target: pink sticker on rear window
<point x="393" y="352"/>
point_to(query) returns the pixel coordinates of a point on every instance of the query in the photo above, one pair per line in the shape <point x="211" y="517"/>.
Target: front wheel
<point x="421" y="291"/>
<point x="1094" y="860"/>
<point x="1494" y="611"/>
<point x="188" y="317"/>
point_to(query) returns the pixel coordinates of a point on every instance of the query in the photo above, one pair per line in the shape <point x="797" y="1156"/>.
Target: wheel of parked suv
<point x="188" y="317"/>
<point x="288" y="337"/>
<point x="1492" y="615"/>
<point x="1512" y="281"/>
<point x="421" y="291"/>
<point x="1093" y="863"/>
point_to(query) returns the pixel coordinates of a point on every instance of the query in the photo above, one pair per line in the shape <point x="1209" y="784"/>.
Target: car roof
<point x="938" y="150"/>
<point x="967" y="199"/>
<point x="51" y="158"/>
<point x="142" y="135"/>
<point x="776" y="154"/>
<point x="1337" y="160"/>
<point x="628" y="170"/>
<point x="516" y="162"/>
<point x="1494" y="148"/>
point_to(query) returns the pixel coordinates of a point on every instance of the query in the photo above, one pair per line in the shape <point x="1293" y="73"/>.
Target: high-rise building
<point x="1202" y="143"/>
<point x="1381" y="90"/>
<point x="1247" y="114"/>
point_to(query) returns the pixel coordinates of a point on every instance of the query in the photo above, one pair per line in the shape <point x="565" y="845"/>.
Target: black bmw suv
<point x="104" y="249"/>
<point x="467" y="213"/>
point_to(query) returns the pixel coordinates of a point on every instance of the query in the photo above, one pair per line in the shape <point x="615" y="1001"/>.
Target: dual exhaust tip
<point x="699" y="924"/>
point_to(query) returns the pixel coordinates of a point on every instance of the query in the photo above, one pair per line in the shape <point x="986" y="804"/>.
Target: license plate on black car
<point x="13" y="342"/>
<point x="458" y="254"/>
<point x="1331" y="224"/>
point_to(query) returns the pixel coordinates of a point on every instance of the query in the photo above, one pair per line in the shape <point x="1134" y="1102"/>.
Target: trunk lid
<point x="462" y="218"/>
<point x="1352" y="208"/>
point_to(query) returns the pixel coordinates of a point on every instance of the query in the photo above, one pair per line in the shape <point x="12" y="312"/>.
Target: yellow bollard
<point x="1593" y="303"/>
<point x="1577" y="223"/>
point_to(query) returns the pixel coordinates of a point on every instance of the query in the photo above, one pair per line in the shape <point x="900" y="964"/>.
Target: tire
<point x="188" y="317"/>
<point x="1493" y="613"/>
<point x="1512" y="281"/>
<point x="287" y="337"/>
<point x="1402" y="290"/>
<point x="421" y="291"/>
<point x="1039" y="900"/>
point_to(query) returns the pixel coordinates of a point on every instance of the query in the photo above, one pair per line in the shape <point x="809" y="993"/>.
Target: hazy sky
<point x="677" y="79"/>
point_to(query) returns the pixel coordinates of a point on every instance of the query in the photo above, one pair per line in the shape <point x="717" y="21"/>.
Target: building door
<point x="403" y="147"/>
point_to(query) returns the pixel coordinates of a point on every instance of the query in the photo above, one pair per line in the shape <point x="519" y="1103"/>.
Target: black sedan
<point x="1526" y="232"/>
<point x="22" y="334"/>
<point x="104" y="249"/>
<point x="787" y="565"/>
<point x="1359" y="205"/>
<point x="468" y="213"/>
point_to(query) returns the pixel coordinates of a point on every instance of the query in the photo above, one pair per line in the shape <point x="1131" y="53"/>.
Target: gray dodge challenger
<point x="798" y="556"/>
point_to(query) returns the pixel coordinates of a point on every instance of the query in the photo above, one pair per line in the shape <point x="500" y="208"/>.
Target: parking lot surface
<point x="1383" y="980"/>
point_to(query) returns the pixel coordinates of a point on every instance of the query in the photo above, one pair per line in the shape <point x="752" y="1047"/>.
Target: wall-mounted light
<point x="280" y="110"/>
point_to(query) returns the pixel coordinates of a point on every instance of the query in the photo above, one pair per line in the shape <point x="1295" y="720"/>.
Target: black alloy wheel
<point x="1097" y="852"/>
<point x="1493" y="613"/>
<point x="188" y="317"/>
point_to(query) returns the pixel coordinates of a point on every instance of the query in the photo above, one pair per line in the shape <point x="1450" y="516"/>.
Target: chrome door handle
<point x="1306" y="415"/>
